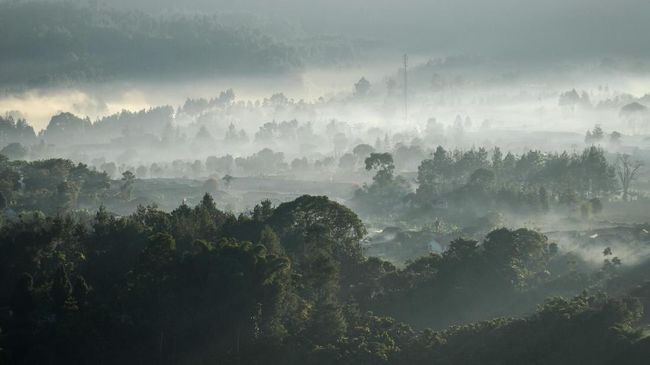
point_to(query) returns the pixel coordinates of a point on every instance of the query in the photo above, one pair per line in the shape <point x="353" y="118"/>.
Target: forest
<point x="65" y="42"/>
<point x="291" y="283"/>
<point x="343" y="181"/>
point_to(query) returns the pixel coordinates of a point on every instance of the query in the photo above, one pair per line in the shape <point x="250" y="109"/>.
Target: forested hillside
<point x="59" y="41"/>
<point x="349" y="182"/>
<point x="290" y="285"/>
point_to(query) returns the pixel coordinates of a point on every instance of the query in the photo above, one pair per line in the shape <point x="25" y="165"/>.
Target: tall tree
<point x="383" y="163"/>
<point x="126" y="189"/>
<point x="627" y="171"/>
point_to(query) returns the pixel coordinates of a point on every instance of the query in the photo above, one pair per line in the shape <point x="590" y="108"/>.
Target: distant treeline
<point x="156" y="124"/>
<point x="61" y="41"/>
<point x="471" y="175"/>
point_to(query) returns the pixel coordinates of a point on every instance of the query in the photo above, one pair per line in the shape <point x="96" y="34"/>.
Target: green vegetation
<point x="51" y="186"/>
<point x="465" y="187"/>
<point x="290" y="285"/>
<point x="15" y="132"/>
<point x="60" y="41"/>
<point x="313" y="218"/>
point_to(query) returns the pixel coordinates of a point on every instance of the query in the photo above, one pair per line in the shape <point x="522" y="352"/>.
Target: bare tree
<point x="627" y="170"/>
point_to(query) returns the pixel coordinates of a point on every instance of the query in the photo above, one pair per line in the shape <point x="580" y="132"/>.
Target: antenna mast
<point x="406" y="89"/>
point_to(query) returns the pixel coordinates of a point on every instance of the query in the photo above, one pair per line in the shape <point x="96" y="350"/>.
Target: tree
<point x="109" y="168"/>
<point x="383" y="163"/>
<point x="3" y="201"/>
<point x="142" y="171"/>
<point x="61" y="291"/>
<point x="68" y="195"/>
<point x="627" y="171"/>
<point x="347" y="162"/>
<point x="120" y="290"/>
<point x="615" y="137"/>
<point x="128" y="179"/>
<point x="442" y="164"/>
<point x="428" y="180"/>
<point x="597" y="175"/>
<point x="211" y="185"/>
<point x="64" y="126"/>
<point x="482" y="178"/>
<point x="203" y="135"/>
<point x="292" y="220"/>
<point x="596" y="205"/>
<point x="362" y="87"/>
<point x="543" y="199"/>
<point x="15" y="130"/>
<point x="497" y="158"/>
<point x="14" y="151"/>
<point x="571" y="99"/>
<point x="262" y="211"/>
<point x="596" y="135"/>
<point x="521" y="254"/>
<point x="327" y="323"/>
<point x="362" y="151"/>
<point x="270" y="240"/>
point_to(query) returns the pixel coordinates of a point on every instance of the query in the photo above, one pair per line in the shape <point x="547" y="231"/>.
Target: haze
<point x="319" y="182"/>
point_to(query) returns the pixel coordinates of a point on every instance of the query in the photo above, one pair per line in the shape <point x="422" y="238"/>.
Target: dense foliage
<point x="51" y="186"/>
<point x="15" y="131"/>
<point x="61" y="41"/>
<point x="285" y="284"/>
<point x="466" y="186"/>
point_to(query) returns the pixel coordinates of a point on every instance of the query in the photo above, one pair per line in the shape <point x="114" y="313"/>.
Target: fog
<point x="437" y="163"/>
<point x="331" y="83"/>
